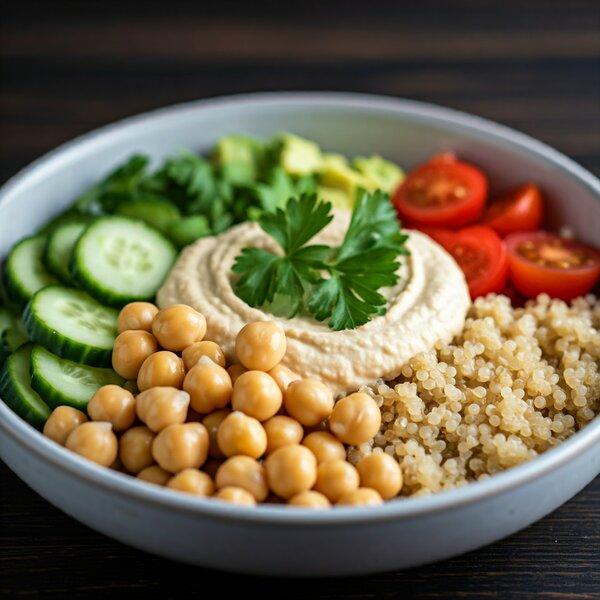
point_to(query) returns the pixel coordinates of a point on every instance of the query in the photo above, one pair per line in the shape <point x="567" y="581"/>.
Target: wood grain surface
<point x="68" y="67"/>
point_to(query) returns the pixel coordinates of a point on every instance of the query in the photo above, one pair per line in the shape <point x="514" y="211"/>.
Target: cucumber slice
<point x="155" y="211"/>
<point x="25" y="273"/>
<point x="120" y="260"/>
<point x="6" y="322"/>
<point x="59" y="249"/>
<point x="72" y="325"/>
<point x="61" y="381"/>
<point x="186" y="230"/>
<point x="16" y="390"/>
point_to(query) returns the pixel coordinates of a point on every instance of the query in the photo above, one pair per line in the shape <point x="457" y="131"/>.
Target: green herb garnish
<point x="339" y="285"/>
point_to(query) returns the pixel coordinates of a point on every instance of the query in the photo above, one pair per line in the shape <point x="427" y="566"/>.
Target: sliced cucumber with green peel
<point x="59" y="249"/>
<point x="61" y="381"/>
<point x="25" y="273"/>
<point x="16" y="390"/>
<point x="72" y="324"/>
<point x="6" y="323"/>
<point x="120" y="260"/>
<point x="155" y="211"/>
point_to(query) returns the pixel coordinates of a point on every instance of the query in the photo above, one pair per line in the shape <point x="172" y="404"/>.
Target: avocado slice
<point x="338" y="198"/>
<point x="386" y="175"/>
<point x="299" y="156"/>
<point x="239" y="156"/>
<point x="337" y="173"/>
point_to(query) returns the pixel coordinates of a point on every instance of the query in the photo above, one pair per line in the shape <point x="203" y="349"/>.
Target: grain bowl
<point x="276" y="540"/>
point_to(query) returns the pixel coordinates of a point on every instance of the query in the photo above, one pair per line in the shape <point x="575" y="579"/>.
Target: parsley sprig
<point x="340" y="285"/>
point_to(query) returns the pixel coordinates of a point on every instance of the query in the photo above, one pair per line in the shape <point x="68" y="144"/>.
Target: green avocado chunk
<point x="386" y="175"/>
<point x="239" y="156"/>
<point x="299" y="156"/>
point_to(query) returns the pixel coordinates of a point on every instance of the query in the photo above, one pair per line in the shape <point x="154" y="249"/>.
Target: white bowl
<point x="275" y="540"/>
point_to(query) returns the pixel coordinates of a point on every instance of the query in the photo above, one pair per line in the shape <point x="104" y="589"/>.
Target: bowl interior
<point x="405" y="132"/>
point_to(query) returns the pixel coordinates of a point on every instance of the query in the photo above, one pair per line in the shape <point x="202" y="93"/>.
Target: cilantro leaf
<point x="119" y="184"/>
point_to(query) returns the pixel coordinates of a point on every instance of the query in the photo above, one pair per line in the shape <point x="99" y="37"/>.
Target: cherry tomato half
<point x="519" y="209"/>
<point x="443" y="192"/>
<point x="540" y="262"/>
<point x="480" y="253"/>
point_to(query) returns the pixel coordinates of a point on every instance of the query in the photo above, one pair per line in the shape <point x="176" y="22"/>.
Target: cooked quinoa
<point x="515" y="383"/>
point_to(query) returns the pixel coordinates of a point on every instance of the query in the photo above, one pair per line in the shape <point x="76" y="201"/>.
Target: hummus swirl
<point x="428" y="304"/>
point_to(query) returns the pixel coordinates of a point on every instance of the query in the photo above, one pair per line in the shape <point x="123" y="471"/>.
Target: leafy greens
<point x="340" y="285"/>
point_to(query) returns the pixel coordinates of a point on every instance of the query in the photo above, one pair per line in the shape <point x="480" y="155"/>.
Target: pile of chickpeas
<point x="246" y="433"/>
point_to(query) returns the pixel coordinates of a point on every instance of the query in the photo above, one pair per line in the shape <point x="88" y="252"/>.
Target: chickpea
<point x="241" y="434"/>
<point x="310" y="499"/>
<point x="291" y="470"/>
<point x="135" y="449"/>
<point x="261" y="345"/>
<point x="283" y="376"/>
<point x="161" y="369"/>
<point x="282" y="431"/>
<point x="324" y="446"/>
<point x="212" y="423"/>
<point x="208" y="385"/>
<point x="62" y="421"/>
<point x="355" y="419"/>
<point x="382" y="473"/>
<point x="336" y="478"/>
<point x="235" y="371"/>
<point x="155" y="475"/>
<point x="192" y="354"/>
<point x="309" y="401"/>
<point x="130" y="351"/>
<point x="361" y="497"/>
<point x="177" y="327"/>
<point x="94" y="441"/>
<point x="235" y="495"/>
<point x="181" y="446"/>
<point x="160" y="407"/>
<point x="246" y="473"/>
<point x="192" y="481"/>
<point x="257" y="395"/>
<point x="114" y="404"/>
<point x="137" y="315"/>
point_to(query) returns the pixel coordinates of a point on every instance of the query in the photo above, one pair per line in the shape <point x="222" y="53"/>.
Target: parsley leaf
<point x="337" y="285"/>
<point x="300" y="221"/>
<point x="264" y="275"/>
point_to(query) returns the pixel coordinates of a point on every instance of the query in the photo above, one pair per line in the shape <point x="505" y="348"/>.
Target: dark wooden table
<point x="68" y="68"/>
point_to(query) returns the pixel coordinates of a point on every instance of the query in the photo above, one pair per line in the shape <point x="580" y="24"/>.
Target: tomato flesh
<point x="443" y="192"/>
<point x="481" y="255"/>
<point x="540" y="262"/>
<point x="520" y="209"/>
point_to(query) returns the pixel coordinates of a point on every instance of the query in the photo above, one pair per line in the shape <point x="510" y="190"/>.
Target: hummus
<point x="428" y="304"/>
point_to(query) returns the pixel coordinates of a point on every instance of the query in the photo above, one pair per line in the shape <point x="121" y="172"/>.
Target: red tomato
<point x="480" y="253"/>
<point x="518" y="210"/>
<point x="540" y="262"/>
<point x="443" y="192"/>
